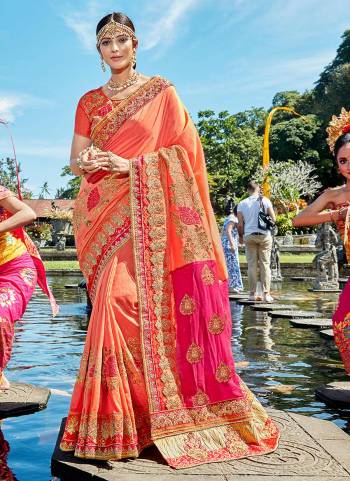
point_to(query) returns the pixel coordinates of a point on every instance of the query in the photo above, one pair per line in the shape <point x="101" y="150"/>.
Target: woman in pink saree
<point x="337" y="203"/>
<point x="20" y="270"/>
<point x="157" y="366"/>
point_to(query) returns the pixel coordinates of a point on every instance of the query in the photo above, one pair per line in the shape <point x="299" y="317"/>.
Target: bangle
<point x="331" y="215"/>
<point x="79" y="159"/>
<point x="78" y="162"/>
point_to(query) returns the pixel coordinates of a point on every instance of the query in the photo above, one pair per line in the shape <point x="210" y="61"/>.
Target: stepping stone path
<point x="311" y="323"/>
<point x="335" y="394"/>
<point x="323" y="290"/>
<point x="247" y="302"/>
<point x="310" y="449"/>
<point x="272" y="307"/>
<point x="302" y="279"/>
<point x="238" y="295"/>
<point x="295" y="314"/>
<point x="327" y="334"/>
<point x="22" y="399"/>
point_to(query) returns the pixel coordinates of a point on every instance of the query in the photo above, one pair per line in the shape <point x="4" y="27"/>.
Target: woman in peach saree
<point x="157" y="366"/>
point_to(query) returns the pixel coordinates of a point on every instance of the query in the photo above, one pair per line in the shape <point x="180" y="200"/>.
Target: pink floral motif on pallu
<point x="195" y="397"/>
<point x="214" y="374"/>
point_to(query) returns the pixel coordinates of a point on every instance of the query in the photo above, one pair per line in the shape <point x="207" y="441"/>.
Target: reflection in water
<point x="281" y="364"/>
<point x="5" y="472"/>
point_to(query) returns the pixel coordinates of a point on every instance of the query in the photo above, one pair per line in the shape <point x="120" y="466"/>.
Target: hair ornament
<point x="346" y="129"/>
<point x="337" y="127"/>
<point x="113" y="28"/>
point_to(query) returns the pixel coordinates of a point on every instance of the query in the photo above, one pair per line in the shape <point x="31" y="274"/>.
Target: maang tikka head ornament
<point x="337" y="127"/>
<point x="112" y="29"/>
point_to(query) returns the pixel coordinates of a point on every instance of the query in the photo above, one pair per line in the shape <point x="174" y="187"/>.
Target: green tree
<point x="72" y="188"/>
<point x="8" y="177"/>
<point x="233" y="151"/>
<point x="294" y="139"/>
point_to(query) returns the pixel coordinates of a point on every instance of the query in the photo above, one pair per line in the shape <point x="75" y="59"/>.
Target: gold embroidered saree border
<point x="112" y="122"/>
<point x="148" y="216"/>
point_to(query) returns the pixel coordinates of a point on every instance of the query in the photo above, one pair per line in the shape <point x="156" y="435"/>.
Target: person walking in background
<point x="258" y="240"/>
<point x="229" y="239"/>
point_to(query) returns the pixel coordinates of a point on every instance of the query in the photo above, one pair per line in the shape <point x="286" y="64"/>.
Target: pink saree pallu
<point x="341" y="318"/>
<point x="157" y="366"/>
<point x="18" y="278"/>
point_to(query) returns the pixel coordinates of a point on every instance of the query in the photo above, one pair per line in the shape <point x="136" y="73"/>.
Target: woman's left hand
<point x="112" y="163"/>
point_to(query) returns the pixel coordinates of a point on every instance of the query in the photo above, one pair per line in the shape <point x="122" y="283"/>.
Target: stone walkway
<point x="310" y="449"/>
<point x="22" y="399"/>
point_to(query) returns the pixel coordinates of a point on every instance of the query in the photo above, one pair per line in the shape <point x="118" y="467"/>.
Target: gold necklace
<point x="118" y="87"/>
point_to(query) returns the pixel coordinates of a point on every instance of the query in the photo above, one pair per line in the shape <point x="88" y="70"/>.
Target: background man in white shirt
<point x="258" y="242"/>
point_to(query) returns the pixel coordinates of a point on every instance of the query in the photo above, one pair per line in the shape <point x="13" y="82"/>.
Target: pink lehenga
<point x="21" y="269"/>
<point x="157" y="366"/>
<point x="341" y="317"/>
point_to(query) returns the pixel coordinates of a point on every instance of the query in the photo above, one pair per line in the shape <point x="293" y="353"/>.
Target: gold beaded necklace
<point x="116" y="87"/>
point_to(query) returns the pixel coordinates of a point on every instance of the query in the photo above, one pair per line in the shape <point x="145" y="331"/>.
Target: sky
<point x="220" y="54"/>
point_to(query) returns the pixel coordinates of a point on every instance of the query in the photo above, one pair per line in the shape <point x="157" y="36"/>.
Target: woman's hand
<point x="88" y="162"/>
<point x="111" y="162"/>
<point x="232" y="248"/>
<point x="342" y="212"/>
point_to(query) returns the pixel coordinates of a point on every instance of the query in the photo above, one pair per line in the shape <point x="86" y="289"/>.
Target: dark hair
<point x="229" y="207"/>
<point x="341" y="141"/>
<point x="118" y="17"/>
<point x="252" y="185"/>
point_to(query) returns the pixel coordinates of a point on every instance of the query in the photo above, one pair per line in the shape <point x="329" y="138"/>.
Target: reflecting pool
<point x="281" y="364"/>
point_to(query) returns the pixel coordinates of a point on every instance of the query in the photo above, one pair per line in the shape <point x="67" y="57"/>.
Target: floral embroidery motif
<point x="93" y="199"/>
<point x="195" y="448"/>
<point x="187" y="305"/>
<point x="194" y="353"/>
<point x="207" y="275"/>
<point x="200" y="398"/>
<point x="149" y="209"/>
<point x="189" y="216"/>
<point x="216" y="325"/>
<point x="7" y="296"/>
<point x="189" y="228"/>
<point x="28" y="275"/>
<point x="234" y="442"/>
<point x="223" y="373"/>
<point x="104" y="110"/>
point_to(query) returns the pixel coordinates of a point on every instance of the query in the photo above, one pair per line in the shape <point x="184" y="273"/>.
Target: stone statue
<point x="326" y="261"/>
<point x="61" y="243"/>
<point x="288" y="239"/>
<point x="275" y="263"/>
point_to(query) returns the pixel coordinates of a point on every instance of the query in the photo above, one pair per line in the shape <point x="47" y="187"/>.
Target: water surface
<point x="281" y="364"/>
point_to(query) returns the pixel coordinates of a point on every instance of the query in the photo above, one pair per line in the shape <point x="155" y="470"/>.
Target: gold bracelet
<point x="331" y="215"/>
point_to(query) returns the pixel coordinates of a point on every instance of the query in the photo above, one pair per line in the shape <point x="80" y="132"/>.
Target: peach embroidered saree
<point x="157" y="367"/>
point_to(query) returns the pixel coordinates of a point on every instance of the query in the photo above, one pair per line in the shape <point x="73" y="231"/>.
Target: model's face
<point x="117" y="51"/>
<point x="343" y="161"/>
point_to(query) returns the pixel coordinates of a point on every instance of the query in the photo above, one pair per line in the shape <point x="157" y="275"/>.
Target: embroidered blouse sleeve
<point x="82" y="121"/>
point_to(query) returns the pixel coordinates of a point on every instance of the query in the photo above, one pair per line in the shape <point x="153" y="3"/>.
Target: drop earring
<point x="103" y="65"/>
<point x="133" y="58"/>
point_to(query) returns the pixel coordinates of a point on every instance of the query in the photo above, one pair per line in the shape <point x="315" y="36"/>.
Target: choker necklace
<point x="118" y="87"/>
